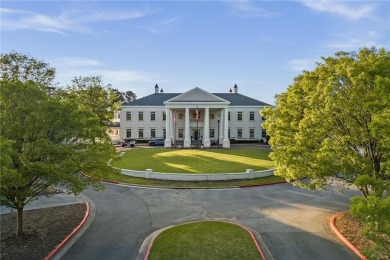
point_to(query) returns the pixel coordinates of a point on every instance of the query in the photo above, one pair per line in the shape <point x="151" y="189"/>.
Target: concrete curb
<point x="67" y="238"/>
<point x="189" y="187"/>
<point x="253" y="238"/>
<point x="342" y="237"/>
<point x="110" y="181"/>
<point x="170" y="187"/>
<point x="263" y="184"/>
<point x="154" y="235"/>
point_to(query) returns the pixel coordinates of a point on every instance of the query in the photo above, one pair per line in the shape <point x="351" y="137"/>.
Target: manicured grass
<point x="193" y="184"/>
<point x="195" y="161"/>
<point x="204" y="240"/>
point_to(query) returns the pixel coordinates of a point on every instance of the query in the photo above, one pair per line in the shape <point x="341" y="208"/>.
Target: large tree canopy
<point x="335" y="120"/>
<point x="47" y="140"/>
<point x="127" y="96"/>
<point x="94" y="97"/>
<point x="50" y="137"/>
<point x="21" y="67"/>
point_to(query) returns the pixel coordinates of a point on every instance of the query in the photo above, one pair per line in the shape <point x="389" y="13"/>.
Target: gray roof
<point x="237" y="99"/>
<point x="158" y="99"/>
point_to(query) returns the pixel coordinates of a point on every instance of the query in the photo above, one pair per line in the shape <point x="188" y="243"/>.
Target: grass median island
<point x="195" y="161"/>
<point x="204" y="240"/>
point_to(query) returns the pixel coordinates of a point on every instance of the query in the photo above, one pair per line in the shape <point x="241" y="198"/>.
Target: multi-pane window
<point x="229" y="133"/>
<point x="239" y="133"/>
<point x="263" y="133"/>
<point x="239" y="116"/>
<point x="212" y="133"/>
<point x="141" y="133"/>
<point x="152" y="116"/>
<point x="164" y="116"/>
<point x="165" y="133"/>
<point x="128" y="133"/>
<point x="128" y="116"/>
<point x="252" y="116"/>
<point x="141" y="116"/>
<point x="180" y="133"/>
<point x="153" y="133"/>
<point x="229" y="116"/>
<point x="251" y="133"/>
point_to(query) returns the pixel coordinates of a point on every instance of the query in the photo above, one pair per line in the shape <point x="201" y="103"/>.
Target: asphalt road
<point x="289" y="222"/>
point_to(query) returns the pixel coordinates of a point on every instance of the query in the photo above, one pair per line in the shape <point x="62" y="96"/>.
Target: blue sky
<point x="258" y="45"/>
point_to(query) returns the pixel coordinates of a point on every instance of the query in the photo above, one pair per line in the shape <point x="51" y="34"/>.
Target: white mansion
<point x="193" y="116"/>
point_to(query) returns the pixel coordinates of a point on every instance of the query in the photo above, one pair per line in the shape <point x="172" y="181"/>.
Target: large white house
<point x="194" y="117"/>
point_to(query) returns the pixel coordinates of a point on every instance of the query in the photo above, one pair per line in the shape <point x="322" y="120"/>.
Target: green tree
<point x="130" y="96"/>
<point x="44" y="142"/>
<point x="96" y="99"/>
<point x="127" y="96"/>
<point x="335" y="121"/>
<point x="15" y="66"/>
<point x="374" y="213"/>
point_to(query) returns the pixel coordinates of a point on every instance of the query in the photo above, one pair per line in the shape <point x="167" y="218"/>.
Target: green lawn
<point x="204" y="240"/>
<point x="195" y="161"/>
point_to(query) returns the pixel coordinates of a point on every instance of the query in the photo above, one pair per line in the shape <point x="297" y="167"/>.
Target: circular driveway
<point x="289" y="223"/>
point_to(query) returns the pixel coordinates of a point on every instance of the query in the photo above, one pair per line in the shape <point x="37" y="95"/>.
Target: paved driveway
<point x="290" y="223"/>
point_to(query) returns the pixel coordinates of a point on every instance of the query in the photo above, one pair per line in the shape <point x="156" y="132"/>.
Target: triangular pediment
<point x="196" y="95"/>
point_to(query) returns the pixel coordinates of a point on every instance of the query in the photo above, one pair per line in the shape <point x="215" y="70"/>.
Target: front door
<point x="196" y="134"/>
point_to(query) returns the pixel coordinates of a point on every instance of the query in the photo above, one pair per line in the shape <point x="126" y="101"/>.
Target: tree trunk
<point x="19" y="224"/>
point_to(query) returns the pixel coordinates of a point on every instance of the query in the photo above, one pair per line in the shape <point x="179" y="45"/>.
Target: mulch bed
<point x="351" y="228"/>
<point x="43" y="229"/>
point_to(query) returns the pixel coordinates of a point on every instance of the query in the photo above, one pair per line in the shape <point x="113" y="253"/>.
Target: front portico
<point x="194" y="113"/>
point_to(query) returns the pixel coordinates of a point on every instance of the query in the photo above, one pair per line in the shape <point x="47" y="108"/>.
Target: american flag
<point x="196" y="114"/>
<point x="174" y="120"/>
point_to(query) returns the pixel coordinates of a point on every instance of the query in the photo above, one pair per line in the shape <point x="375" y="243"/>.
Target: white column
<point x="226" y="142"/>
<point x="171" y="124"/>
<point x="221" y="120"/>
<point x="206" y="141"/>
<point x="187" y="140"/>
<point x="167" y="142"/>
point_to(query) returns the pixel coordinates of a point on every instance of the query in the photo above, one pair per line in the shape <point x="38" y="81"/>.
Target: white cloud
<point x="123" y="79"/>
<point x="248" y="8"/>
<point x="352" y="44"/>
<point x="335" y="7"/>
<point x="124" y="76"/>
<point x="355" y="41"/>
<point x="301" y="64"/>
<point x="70" y="20"/>
<point x="15" y="19"/>
<point x="75" y="62"/>
<point x="160" y="27"/>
